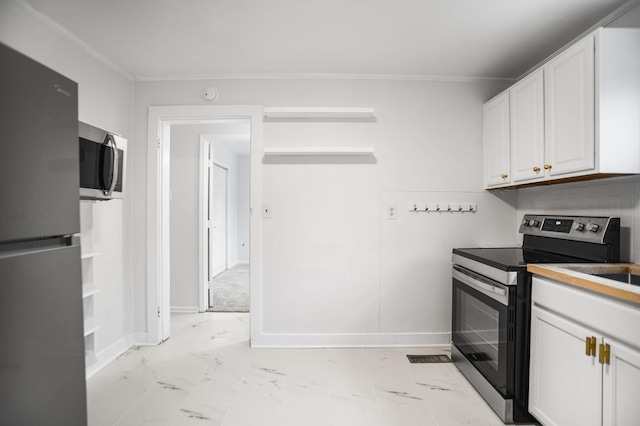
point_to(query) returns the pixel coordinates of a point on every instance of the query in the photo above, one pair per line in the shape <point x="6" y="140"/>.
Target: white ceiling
<point x="207" y="38"/>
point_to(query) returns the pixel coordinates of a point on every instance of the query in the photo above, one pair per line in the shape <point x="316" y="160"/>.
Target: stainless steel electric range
<point x="492" y="302"/>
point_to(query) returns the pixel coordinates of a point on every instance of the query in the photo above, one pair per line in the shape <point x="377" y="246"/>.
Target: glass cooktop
<point x="513" y="258"/>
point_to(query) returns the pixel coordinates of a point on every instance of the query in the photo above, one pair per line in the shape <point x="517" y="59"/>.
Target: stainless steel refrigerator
<point x="42" y="359"/>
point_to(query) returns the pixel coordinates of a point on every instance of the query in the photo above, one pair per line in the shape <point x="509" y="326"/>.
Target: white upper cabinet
<point x="496" y="141"/>
<point x="569" y="109"/>
<point x="618" y="98"/>
<point x="527" y="128"/>
<point x="575" y="118"/>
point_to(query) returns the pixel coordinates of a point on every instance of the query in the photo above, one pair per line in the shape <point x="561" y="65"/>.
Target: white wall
<point x="335" y="272"/>
<point x="243" y="208"/>
<point x="185" y="220"/>
<point x="105" y="100"/>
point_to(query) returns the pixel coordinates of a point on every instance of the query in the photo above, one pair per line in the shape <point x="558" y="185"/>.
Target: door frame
<point x="158" y="218"/>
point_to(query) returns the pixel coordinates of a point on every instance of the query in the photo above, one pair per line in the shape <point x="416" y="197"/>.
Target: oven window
<point x="480" y="330"/>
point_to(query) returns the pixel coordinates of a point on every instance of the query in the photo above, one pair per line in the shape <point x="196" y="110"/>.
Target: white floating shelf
<point x="318" y="112"/>
<point x="319" y="151"/>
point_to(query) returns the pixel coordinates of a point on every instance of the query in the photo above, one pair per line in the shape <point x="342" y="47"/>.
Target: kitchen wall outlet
<point x="266" y="211"/>
<point x="392" y="211"/>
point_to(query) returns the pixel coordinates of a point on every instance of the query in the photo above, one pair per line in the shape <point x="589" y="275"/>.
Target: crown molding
<point x="321" y="76"/>
<point x="44" y="19"/>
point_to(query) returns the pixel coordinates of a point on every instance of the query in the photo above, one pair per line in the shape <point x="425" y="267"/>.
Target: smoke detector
<point x="210" y="94"/>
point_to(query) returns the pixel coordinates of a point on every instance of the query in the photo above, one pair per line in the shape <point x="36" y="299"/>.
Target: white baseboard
<point x="242" y="262"/>
<point x="104" y="357"/>
<point x="184" y="309"/>
<point x="141" y="338"/>
<point x="267" y="340"/>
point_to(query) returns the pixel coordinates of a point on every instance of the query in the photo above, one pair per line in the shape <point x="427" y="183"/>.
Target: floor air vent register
<point x="428" y="359"/>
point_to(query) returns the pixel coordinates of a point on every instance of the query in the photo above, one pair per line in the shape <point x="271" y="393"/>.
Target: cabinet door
<point x="570" y="109"/>
<point x="621" y="385"/>
<point x="565" y="385"/>
<point x="527" y="128"/>
<point x="496" y="141"/>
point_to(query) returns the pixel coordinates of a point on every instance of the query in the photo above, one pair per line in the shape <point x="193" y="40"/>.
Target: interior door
<point x="218" y="247"/>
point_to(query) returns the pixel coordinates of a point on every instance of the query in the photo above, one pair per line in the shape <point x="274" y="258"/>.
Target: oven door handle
<point x="497" y="293"/>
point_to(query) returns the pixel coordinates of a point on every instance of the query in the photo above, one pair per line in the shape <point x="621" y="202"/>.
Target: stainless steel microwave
<point x="103" y="158"/>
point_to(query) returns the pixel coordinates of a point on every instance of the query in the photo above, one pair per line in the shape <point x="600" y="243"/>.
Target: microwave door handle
<point x="114" y="171"/>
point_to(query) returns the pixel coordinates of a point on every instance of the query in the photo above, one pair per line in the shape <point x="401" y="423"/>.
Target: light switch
<point x="266" y="211"/>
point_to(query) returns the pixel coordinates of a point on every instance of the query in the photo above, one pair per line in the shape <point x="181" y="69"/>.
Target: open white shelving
<point x="89" y="290"/>
<point x="318" y="112"/>
<point x="318" y="151"/>
<point x="90" y="327"/>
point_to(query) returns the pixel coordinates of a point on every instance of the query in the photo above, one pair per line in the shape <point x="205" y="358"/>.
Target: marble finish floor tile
<point x="207" y="374"/>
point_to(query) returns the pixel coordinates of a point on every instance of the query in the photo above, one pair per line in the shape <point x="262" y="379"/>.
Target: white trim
<point x="321" y="76"/>
<point x="158" y="169"/>
<point x="203" y="202"/>
<point x="109" y="354"/>
<point x="241" y="262"/>
<point x="140" y="338"/>
<point x="44" y="19"/>
<point x="351" y="340"/>
<point x="185" y="309"/>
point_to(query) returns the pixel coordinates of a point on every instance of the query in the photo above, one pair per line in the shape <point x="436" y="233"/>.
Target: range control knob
<point x="534" y="222"/>
<point x="578" y="226"/>
<point x="593" y="227"/>
<point x="525" y="222"/>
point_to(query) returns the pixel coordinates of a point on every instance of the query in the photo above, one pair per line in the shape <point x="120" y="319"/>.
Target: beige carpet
<point x="230" y="290"/>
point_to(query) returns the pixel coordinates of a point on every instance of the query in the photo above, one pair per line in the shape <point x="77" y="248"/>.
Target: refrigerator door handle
<point x="115" y="169"/>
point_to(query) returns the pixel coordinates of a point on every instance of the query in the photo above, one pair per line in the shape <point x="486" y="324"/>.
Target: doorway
<point x="158" y="211"/>
<point x="227" y="178"/>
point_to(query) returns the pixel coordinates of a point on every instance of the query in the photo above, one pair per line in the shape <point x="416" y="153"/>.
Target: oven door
<point x="483" y="326"/>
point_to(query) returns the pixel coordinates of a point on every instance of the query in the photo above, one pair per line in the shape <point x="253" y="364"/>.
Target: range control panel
<point x="579" y="228"/>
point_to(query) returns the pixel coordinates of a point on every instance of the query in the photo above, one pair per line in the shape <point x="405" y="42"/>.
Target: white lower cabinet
<point x="565" y="385"/>
<point x="580" y="372"/>
<point x="621" y="385"/>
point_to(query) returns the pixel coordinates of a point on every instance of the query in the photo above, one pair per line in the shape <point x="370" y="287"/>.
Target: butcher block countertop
<point x="581" y="275"/>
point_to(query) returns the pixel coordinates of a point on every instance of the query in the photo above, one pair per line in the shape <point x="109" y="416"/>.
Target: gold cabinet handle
<point x="503" y="176"/>
<point x="591" y="346"/>
<point x="547" y="166"/>
<point x="605" y="354"/>
<point x="536" y="169"/>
